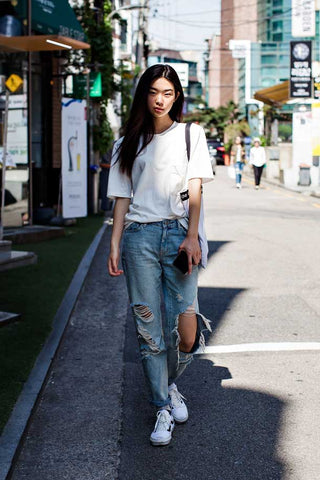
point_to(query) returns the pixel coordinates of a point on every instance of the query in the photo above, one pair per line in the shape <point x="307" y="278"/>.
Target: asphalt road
<point x="253" y="396"/>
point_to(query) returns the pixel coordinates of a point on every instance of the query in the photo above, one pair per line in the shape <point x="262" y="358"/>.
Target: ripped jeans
<point x="148" y="253"/>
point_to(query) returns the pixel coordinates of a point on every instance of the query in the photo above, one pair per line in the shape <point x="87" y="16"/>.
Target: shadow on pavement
<point x="232" y="434"/>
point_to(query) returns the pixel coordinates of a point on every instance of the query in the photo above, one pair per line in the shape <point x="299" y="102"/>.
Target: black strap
<point x="187" y="134"/>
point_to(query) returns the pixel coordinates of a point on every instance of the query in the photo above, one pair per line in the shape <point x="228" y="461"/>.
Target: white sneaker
<point x="238" y="185"/>
<point x="163" y="429"/>
<point x="179" y="408"/>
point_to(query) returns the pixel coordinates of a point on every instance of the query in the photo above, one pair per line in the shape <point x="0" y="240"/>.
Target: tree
<point x="216" y="120"/>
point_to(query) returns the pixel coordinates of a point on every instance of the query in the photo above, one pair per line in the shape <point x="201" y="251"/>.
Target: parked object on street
<point x="257" y="160"/>
<point x="150" y="178"/>
<point x="216" y="149"/>
<point x="238" y="160"/>
<point x="304" y="175"/>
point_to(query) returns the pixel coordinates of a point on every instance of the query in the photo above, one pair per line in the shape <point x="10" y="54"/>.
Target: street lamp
<point x="126" y="7"/>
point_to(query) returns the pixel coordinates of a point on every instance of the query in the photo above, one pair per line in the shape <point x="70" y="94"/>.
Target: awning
<point x="277" y="94"/>
<point x="38" y="43"/>
<point x="53" y="17"/>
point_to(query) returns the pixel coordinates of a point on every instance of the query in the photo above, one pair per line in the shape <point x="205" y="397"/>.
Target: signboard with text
<point x="17" y="139"/>
<point x="74" y="158"/>
<point x="303" y="18"/>
<point x="301" y="82"/>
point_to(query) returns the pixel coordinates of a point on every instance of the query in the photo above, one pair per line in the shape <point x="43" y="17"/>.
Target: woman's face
<point x="238" y="140"/>
<point x="257" y="144"/>
<point x="161" y="97"/>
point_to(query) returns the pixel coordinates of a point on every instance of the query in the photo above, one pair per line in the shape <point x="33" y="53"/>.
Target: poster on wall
<point x="74" y="158"/>
<point x="17" y="139"/>
<point x="301" y="81"/>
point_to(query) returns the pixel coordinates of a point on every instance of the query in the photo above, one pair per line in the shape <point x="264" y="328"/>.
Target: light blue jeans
<point x="148" y="253"/>
<point x="238" y="167"/>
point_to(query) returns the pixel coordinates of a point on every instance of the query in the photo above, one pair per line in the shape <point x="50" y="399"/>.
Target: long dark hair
<point x="140" y="123"/>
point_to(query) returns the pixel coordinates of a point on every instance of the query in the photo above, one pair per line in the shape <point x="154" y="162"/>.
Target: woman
<point x="237" y="159"/>
<point x="257" y="160"/>
<point x="149" y="171"/>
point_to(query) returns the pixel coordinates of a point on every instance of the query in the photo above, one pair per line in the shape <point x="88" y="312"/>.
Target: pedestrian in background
<point x="257" y="160"/>
<point x="238" y="159"/>
<point x="149" y="171"/>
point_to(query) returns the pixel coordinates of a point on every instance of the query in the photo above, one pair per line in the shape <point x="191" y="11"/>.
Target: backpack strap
<point x="187" y="135"/>
<point x="185" y="195"/>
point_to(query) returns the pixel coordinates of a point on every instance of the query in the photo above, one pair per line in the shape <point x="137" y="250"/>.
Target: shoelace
<point x="162" y="423"/>
<point x="176" y="397"/>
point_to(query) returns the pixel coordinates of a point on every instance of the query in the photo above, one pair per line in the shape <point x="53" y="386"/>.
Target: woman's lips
<point x="158" y="110"/>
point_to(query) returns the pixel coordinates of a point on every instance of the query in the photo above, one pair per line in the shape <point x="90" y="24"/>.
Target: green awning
<point x="52" y="17"/>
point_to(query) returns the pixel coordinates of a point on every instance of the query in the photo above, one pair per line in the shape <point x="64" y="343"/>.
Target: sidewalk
<point x="74" y="429"/>
<point x="305" y="190"/>
<point x="90" y="408"/>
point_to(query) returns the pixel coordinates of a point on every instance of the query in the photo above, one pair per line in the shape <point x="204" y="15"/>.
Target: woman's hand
<point x="113" y="262"/>
<point x="192" y="248"/>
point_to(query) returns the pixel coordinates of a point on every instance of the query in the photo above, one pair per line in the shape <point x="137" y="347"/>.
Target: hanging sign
<point x="303" y="18"/>
<point x="74" y="158"/>
<point x="300" y="69"/>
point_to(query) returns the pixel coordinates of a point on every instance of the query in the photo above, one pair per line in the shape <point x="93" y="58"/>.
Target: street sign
<point x="14" y="82"/>
<point x="300" y="69"/>
<point x="80" y="85"/>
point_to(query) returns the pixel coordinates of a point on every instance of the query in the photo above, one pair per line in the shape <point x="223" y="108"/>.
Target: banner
<point x="300" y="69"/>
<point x="303" y="18"/>
<point x="74" y="158"/>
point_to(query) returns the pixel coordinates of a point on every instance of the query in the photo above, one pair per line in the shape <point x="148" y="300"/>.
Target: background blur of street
<point x="76" y="409"/>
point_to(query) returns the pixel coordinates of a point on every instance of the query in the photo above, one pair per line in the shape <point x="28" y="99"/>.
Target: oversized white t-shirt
<point x="160" y="173"/>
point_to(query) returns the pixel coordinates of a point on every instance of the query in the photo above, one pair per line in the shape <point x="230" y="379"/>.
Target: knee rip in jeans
<point x="144" y="315"/>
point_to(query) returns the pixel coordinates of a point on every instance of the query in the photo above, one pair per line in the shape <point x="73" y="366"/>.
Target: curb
<point x="15" y="427"/>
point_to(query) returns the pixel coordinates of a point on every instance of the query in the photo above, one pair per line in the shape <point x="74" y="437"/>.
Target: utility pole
<point x="142" y="37"/>
<point x="29" y="96"/>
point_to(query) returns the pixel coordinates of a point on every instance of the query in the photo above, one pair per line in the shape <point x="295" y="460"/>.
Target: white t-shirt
<point x="160" y="172"/>
<point x="257" y="156"/>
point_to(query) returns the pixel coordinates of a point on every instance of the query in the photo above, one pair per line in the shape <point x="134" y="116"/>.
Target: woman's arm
<point x="191" y="242"/>
<point x="120" y="209"/>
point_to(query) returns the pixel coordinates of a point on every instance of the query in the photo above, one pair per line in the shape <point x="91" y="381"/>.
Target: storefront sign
<point x="79" y="85"/>
<point x="17" y="139"/>
<point x="303" y="18"/>
<point x="300" y="69"/>
<point x="239" y="48"/>
<point x="74" y="158"/>
<point x="52" y="17"/>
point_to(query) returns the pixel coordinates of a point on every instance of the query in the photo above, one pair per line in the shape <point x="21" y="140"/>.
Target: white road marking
<point x="261" y="347"/>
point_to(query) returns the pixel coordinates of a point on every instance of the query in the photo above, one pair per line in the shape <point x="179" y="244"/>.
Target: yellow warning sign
<point x="14" y="82"/>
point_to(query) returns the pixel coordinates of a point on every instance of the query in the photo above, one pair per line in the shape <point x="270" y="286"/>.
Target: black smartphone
<point x="181" y="262"/>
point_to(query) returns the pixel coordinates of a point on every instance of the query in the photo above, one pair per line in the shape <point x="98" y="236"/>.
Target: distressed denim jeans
<point x="148" y="253"/>
<point x="238" y="167"/>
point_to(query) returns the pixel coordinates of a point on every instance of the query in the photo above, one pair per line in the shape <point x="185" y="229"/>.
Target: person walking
<point x="237" y="159"/>
<point x="257" y="160"/>
<point x="150" y="177"/>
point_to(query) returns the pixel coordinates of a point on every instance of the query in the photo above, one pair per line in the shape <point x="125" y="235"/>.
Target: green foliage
<point x="36" y="291"/>
<point x="237" y="129"/>
<point x="99" y="58"/>
<point x="215" y="120"/>
<point x="285" y="131"/>
<point x="102" y="132"/>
